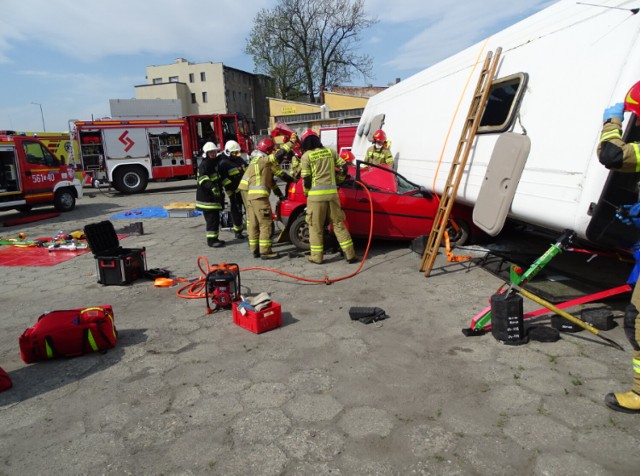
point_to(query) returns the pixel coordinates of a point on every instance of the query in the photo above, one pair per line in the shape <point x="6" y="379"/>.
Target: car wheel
<point x="64" y="200"/>
<point x="460" y="236"/>
<point x="299" y="233"/>
<point x="130" y="179"/>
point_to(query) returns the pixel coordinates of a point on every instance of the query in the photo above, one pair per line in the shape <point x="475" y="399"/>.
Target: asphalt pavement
<point x="186" y="392"/>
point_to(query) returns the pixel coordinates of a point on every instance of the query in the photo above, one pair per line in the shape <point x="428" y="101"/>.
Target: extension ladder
<point x="472" y="122"/>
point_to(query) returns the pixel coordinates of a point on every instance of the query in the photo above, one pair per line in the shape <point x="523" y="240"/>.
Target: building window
<point x="192" y="78"/>
<point x="203" y="77"/>
<point x="204" y="96"/>
<point x="173" y="79"/>
<point x="193" y="98"/>
<point x="157" y="80"/>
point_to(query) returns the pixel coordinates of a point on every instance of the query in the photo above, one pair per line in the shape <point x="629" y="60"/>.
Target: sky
<point x="64" y="59"/>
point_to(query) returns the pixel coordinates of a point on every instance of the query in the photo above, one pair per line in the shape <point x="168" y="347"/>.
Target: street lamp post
<point x="44" y="129"/>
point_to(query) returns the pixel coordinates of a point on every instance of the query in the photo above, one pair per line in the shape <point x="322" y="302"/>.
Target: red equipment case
<point x="258" y="321"/>
<point x="115" y="265"/>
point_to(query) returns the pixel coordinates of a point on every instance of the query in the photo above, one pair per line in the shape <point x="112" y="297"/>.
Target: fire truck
<point x="128" y="153"/>
<point x="30" y="175"/>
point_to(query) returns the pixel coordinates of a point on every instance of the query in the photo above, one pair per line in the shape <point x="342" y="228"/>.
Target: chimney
<point x="397" y="80"/>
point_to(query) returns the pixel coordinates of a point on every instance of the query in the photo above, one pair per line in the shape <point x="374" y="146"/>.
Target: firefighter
<point x="379" y="152"/>
<point x="619" y="156"/>
<point x="209" y="194"/>
<point x="231" y="168"/>
<point x="256" y="185"/>
<point x="318" y="171"/>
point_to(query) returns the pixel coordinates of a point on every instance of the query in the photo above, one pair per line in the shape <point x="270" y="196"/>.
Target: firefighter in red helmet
<point x="318" y="172"/>
<point x="256" y="185"/>
<point x="379" y="152"/>
<point x="619" y="156"/>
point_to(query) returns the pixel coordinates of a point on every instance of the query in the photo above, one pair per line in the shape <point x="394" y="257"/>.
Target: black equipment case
<point x="115" y="265"/>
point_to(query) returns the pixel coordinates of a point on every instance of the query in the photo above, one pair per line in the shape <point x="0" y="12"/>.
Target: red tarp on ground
<point x="34" y="256"/>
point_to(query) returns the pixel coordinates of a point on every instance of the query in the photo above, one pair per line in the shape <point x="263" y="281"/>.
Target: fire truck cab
<point x="31" y="175"/>
<point x="129" y="153"/>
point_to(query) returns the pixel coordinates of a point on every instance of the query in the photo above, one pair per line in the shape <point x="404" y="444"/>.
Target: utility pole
<point x="44" y="129"/>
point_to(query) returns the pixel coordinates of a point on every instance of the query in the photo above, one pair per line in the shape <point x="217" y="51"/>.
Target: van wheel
<point x="458" y="237"/>
<point x="130" y="179"/>
<point x="299" y="233"/>
<point x="64" y="200"/>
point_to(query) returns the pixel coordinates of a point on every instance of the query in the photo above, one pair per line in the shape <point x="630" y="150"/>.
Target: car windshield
<point x="404" y="185"/>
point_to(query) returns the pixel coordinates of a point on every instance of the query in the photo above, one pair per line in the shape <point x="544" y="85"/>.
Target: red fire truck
<point x="31" y="175"/>
<point x="129" y="153"/>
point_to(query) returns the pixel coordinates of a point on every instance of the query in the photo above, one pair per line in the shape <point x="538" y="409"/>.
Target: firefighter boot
<point x="316" y="258"/>
<point x="215" y="243"/>
<point x="269" y="255"/>
<point x="239" y="235"/>
<point x="350" y="255"/>
<point x="628" y="402"/>
<point x="256" y="253"/>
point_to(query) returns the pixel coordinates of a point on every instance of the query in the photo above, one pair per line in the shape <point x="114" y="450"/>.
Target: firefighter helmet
<point x="208" y="147"/>
<point x="347" y="156"/>
<point x="266" y="145"/>
<point x="231" y="146"/>
<point x="308" y="133"/>
<point x="379" y="136"/>
<point x="632" y="99"/>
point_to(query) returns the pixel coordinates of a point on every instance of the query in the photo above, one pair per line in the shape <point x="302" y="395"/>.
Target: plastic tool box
<point x="115" y="265"/>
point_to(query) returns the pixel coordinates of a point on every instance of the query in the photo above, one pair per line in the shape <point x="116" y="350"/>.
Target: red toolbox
<point x="258" y="321"/>
<point x="115" y="265"/>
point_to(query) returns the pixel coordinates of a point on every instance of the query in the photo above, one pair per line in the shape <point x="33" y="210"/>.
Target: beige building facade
<point x="208" y="88"/>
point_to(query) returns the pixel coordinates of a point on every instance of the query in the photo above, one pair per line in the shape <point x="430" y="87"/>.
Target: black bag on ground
<point x="367" y="315"/>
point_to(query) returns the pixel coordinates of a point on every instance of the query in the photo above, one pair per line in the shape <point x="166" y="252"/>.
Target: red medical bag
<point x="69" y="333"/>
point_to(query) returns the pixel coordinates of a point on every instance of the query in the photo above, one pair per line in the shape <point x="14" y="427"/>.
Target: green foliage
<point x="307" y="45"/>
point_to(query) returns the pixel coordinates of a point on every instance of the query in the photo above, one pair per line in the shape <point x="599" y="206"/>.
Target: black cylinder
<point x="507" y="323"/>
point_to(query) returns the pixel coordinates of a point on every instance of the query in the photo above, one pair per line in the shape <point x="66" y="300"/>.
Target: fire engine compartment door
<point x="126" y="143"/>
<point x="500" y="182"/>
<point x="9" y="173"/>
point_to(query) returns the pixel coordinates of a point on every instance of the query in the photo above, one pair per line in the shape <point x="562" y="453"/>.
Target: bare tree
<point x="309" y="44"/>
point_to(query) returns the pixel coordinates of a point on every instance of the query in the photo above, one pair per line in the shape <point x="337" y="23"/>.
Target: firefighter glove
<point x="630" y="214"/>
<point x="616" y="111"/>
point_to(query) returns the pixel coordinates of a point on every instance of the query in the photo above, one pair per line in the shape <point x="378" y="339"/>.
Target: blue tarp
<point x="148" y="212"/>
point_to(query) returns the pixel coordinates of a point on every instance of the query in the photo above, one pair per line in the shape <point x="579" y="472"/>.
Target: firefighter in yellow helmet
<point x="619" y="156"/>
<point x="317" y="169"/>
<point x="256" y="185"/>
<point x="379" y="153"/>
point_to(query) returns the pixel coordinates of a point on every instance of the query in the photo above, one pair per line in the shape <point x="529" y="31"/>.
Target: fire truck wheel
<point x="64" y="200"/>
<point x="299" y="233"/>
<point x="130" y="179"/>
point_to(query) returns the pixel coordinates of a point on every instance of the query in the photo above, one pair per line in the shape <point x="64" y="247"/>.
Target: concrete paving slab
<point x="186" y="392"/>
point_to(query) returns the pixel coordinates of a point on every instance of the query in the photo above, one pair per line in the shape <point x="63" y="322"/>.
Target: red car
<point x="402" y="210"/>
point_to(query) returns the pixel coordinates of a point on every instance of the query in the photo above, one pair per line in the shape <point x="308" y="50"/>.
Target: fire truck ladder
<point x="460" y="160"/>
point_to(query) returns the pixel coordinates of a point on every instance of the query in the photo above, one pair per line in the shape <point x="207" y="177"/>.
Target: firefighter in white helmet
<point x="231" y="168"/>
<point x="209" y="194"/>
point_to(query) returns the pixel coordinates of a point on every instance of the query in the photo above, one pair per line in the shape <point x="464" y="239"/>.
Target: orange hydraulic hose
<point x="195" y="289"/>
